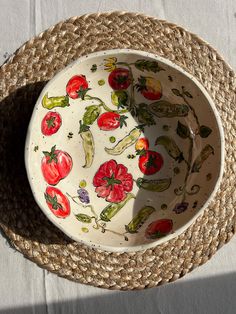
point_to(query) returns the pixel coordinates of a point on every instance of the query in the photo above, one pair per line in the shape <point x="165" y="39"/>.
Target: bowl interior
<point x="124" y="150"/>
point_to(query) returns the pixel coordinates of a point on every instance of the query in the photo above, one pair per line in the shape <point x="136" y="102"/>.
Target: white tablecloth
<point x="26" y="288"/>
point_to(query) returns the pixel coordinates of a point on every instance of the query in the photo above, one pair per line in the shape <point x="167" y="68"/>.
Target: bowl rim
<point x="138" y="247"/>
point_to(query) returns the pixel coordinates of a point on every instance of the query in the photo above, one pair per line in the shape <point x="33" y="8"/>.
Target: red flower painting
<point x="112" y="181"/>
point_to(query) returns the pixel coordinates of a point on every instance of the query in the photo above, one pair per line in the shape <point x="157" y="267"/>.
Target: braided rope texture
<point x="22" y="78"/>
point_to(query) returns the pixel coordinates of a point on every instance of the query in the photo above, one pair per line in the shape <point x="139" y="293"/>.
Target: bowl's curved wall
<point x="149" y="190"/>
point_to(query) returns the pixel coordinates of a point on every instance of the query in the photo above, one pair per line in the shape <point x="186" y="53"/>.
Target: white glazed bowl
<point x="92" y="175"/>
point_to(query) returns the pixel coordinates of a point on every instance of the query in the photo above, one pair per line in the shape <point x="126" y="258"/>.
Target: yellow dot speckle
<point x="85" y="230"/>
<point x="82" y="184"/>
<point x="101" y="82"/>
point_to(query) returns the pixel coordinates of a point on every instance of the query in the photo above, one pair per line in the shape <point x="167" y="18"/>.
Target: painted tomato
<point x="150" y="162"/>
<point x="51" y="123"/>
<point x="76" y="86"/>
<point x="56" y="165"/>
<point x="142" y="143"/>
<point x="158" y="228"/>
<point x="119" y="79"/>
<point x="57" y="202"/>
<point x="149" y="87"/>
<point x="112" y="181"/>
<point x="108" y="121"/>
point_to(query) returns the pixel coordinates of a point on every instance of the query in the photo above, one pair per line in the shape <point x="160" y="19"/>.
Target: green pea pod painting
<point x="156" y="185"/>
<point x="171" y="147"/>
<point x="91" y="114"/>
<point x="112" y="209"/>
<point x="164" y="108"/>
<point x="204" y="154"/>
<point x="124" y="143"/>
<point x="88" y="144"/>
<point x="139" y="219"/>
<point x="84" y="218"/>
<point x="53" y="102"/>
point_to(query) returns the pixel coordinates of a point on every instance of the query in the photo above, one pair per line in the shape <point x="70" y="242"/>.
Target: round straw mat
<point x="22" y="78"/>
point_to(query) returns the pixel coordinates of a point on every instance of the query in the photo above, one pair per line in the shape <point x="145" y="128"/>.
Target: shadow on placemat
<point x="19" y="212"/>
<point x="202" y="295"/>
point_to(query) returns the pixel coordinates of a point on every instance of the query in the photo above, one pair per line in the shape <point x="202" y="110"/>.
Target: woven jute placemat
<point x="21" y="80"/>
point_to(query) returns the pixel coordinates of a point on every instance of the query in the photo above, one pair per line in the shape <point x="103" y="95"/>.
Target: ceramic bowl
<point x="124" y="150"/>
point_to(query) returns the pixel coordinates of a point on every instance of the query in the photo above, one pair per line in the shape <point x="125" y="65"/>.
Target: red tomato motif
<point x="51" y="123"/>
<point x="142" y="143"/>
<point x="159" y="228"/>
<point x="76" y="86"/>
<point x="149" y="87"/>
<point x="57" y="202"/>
<point x="108" y="121"/>
<point x="150" y="162"/>
<point x="112" y="181"/>
<point x="119" y="79"/>
<point x="56" y="165"/>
